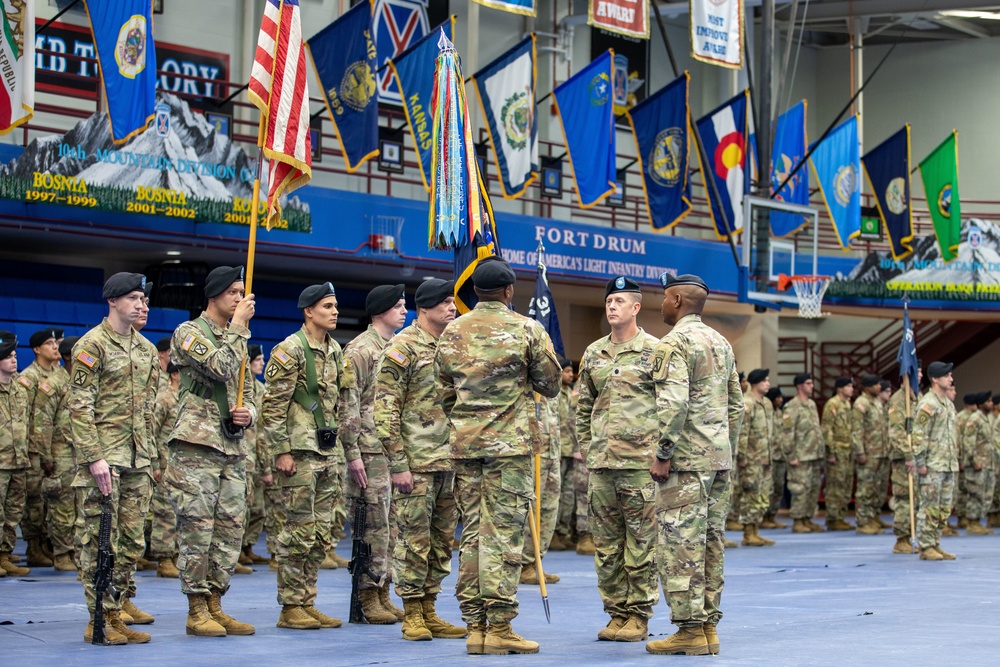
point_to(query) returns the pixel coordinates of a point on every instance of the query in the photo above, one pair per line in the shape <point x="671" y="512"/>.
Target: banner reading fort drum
<point x="625" y="17"/>
<point x="717" y="32"/>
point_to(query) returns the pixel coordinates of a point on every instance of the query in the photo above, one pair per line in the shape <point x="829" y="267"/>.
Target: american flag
<point x="278" y="87"/>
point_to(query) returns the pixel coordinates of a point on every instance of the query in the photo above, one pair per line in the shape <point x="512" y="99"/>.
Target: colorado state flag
<point x="789" y="150"/>
<point x="123" y="37"/>
<point x="724" y="131"/>
<point x="887" y="167"/>
<point x="837" y="165"/>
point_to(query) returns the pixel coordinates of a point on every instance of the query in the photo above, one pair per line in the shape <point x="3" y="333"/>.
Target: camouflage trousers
<point x="308" y="498"/>
<point x="493" y="496"/>
<point x="958" y="499"/>
<point x="803" y="484"/>
<point x="426" y="519"/>
<point x="33" y="519"/>
<point x="755" y="492"/>
<point x="936" y="490"/>
<point x="979" y="492"/>
<point x="581" y="484"/>
<point x="901" y="498"/>
<point x="623" y="520"/>
<point x="567" y="497"/>
<point x="379" y="496"/>
<point x="778" y="471"/>
<point x="735" y="491"/>
<point x="163" y="536"/>
<point x="274" y="517"/>
<point x="11" y="507"/>
<point x="130" y="495"/>
<point x="839" y="484"/>
<point x="255" y="510"/>
<point x="995" y="504"/>
<point x="873" y="485"/>
<point x="549" y="508"/>
<point x="340" y="507"/>
<point x="208" y="492"/>
<point x="691" y="510"/>
<point x="60" y="501"/>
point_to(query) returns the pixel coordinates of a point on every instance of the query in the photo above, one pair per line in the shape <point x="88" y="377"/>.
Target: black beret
<point x="983" y="397"/>
<point x="758" y="375"/>
<point x="742" y="376"/>
<point x="773" y="393"/>
<point x="163" y="345"/>
<point x="40" y="337"/>
<point x="254" y="351"/>
<point x="314" y="293"/>
<point x="870" y="380"/>
<point x="621" y="284"/>
<point x="171" y="368"/>
<point x="493" y="273"/>
<point x="667" y="280"/>
<point x="842" y="382"/>
<point x="148" y="289"/>
<point x="434" y="291"/>
<point x="66" y="346"/>
<point x="938" y="369"/>
<point x="885" y="384"/>
<point x="970" y="399"/>
<point x="220" y="278"/>
<point x="801" y="378"/>
<point x="121" y="284"/>
<point x="8" y="343"/>
<point x="382" y="298"/>
<point x="564" y="362"/>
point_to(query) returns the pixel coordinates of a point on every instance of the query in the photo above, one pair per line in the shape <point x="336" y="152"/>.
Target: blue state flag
<point x="414" y="72"/>
<point x="586" y="111"/>
<point x="523" y="7"/>
<point x="123" y="37"/>
<point x="837" y="165"/>
<point x="724" y="131"/>
<point x="789" y="151"/>
<point x="660" y="125"/>
<point x="887" y="167"/>
<point x="344" y="58"/>
<point x="543" y="309"/>
<point x="907" y="356"/>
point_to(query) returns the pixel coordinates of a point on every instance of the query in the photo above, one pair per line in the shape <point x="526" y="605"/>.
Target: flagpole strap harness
<point x="308" y="398"/>
<point x="215" y="391"/>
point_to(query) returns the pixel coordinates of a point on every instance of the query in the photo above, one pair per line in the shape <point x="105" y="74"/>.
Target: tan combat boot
<point x="963" y="522"/>
<point x="167" y="568"/>
<point x="295" y="617"/>
<point x="11" y="569"/>
<point x="728" y="543"/>
<point x="838" y="524"/>
<point x="976" y="528"/>
<point x="244" y="559"/>
<point x="607" y="633"/>
<point x="240" y="568"/>
<point x="711" y="638"/>
<point x="112" y="635"/>
<point x="64" y="563"/>
<point x="414" y="629"/>
<point x="930" y="554"/>
<point x="477" y="637"/>
<point x="329" y="563"/>
<point x="199" y="622"/>
<point x="882" y="523"/>
<point x="816" y="528"/>
<point x="324" y="620"/>
<point x="993" y="520"/>
<point x="770" y="524"/>
<point x="529" y="575"/>
<point x="372" y="608"/>
<point x="338" y="559"/>
<point x="386" y="602"/>
<point x="501" y="640"/>
<point x="733" y="524"/>
<point x="686" y="641"/>
<point x="440" y="628"/>
<point x="133" y="636"/>
<point x="254" y="558"/>
<point x="948" y="531"/>
<point x="903" y="546"/>
<point x="800" y="526"/>
<point x="750" y="537"/>
<point x="139" y="617"/>
<point x="232" y="626"/>
<point x="870" y="528"/>
<point x="585" y="545"/>
<point x="944" y="554"/>
<point x="37" y="557"/>
<point x="636" y="629"/>
<point x="272" y="564"/>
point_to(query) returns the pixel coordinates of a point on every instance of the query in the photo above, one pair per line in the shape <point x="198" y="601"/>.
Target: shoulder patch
<point x="46" y="387"/>
<point x="25" y="381"/>
<point x="86" y="358"/>
<point x="928" y="408"/>
<point x="860" y="407"/>
<point x="188" y="342"/>
<point x="398" y="357"/>
<point x="786" y="415"/>
<point x="658" y="358"/>
<point x="281" y="356"/>
<point x="81" y="378"/>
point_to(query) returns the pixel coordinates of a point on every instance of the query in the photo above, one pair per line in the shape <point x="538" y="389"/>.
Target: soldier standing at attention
<point x="387" y="309"/>
<point x="871" y="454"/>
<point x="993" y="520"/>
<point x="839" y="457"/>
<point x="206" y="472"/>
<point x="413" y="430"/>
<point x="163" y="537"/>
<point x="935" y="459"/>
<point x="700" y="407"/>
<point x="563" y="540"/>
<point x="112" y="391"/>
<point x="14" y="460"/>
<point x="977" y="448"/>
<point x="804" y="442"/>
<point x="617" y="428"/>
<point x="899" y="453"/>
<point x="754" y="458"/>
<point x="490" y="363"/>
<point x="779" y="461"/>
<point x="261" y="470"/>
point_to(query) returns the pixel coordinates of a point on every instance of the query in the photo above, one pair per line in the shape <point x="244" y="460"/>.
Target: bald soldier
<point x="14" y="459"/>
<point x="754" y="458"/>
<point x="803" y="437"/>
<point x="839" y="457"/>
<point x="700" y="408"/>
<point x="490" y="362"/>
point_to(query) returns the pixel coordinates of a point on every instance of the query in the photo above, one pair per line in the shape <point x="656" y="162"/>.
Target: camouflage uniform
<point x="163" y="537"/>
<point x="899" y="451"/>
<point x="490" y="363"/>
<point x="959" y="498"/>
<point x="977" y="450"/>
<point x="934" y="446"/>
<point x="14" y="459"/>
<point x="206" y="473"/>
<point x="412" y="428"/>
<point x="779" y="462"/>
<point x="869" y="440"/>
<point x="111" y="399"/>
<point x="995" y="504"/>
<point x="839" y="475"/>
<point x="617" y="428"/>
<point x="754" y="458"/>
<point x="53" y="442"/>
<point x="804" y="443"/>
<point x="566" y="408"/>
<point x="700" y="407"/>
<point x="258" y="461"/>
<point x="33" y="519"/>
<point x="308" y="496"/>
<point x="549" y="473"/>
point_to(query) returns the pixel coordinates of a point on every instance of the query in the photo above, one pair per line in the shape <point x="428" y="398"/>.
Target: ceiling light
<point x="173" y="253"/>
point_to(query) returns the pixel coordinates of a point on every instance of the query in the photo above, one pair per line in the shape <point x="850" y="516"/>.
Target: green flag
<point x="939" y="171"/>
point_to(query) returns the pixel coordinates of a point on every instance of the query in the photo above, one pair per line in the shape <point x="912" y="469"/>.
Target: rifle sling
<point x="308" y="398"/>
<point x="217" y="390"/>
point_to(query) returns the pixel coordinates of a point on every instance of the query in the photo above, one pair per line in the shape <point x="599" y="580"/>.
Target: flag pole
<point x="909" y="448"/>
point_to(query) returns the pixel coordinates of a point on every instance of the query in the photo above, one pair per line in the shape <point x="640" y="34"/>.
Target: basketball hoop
<point x="809" y="289"/>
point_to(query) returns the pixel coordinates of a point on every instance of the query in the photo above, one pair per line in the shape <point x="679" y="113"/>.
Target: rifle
<point x="361" y="559"/>
<point x="103" y="577"/>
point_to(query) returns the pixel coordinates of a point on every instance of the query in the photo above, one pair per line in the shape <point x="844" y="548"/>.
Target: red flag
<point x="278" y="87"/>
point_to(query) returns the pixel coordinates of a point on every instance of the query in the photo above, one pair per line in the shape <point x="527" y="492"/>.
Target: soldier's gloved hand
<point x="402" y="481"/>
<point x="356" y="469"/>
<point x="244" y="310"/>
<point x="285" y="464"/>
<point x="240" y="416"/>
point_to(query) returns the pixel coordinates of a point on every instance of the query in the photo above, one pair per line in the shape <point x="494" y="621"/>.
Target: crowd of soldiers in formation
<point x="435" y="427"/>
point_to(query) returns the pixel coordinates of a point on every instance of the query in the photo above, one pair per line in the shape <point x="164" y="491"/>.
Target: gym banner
<point x="717" y="32"/>
<point x="625" y="17"/>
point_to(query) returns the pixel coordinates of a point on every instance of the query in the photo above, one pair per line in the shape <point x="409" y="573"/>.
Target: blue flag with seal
<point x="585" y="109"/>
<point x="414" y="72"/>
<point x="543" y="308"/>
<point x="523" y="7"/>
<point x="344" y="59"/>
<point x="789" y="150"/>
<point x="724" y="131"/>
<point x="887" y="168"/>
<point x="837" y="165"/>
<point x="123" y="38"/>
<point x="661" y="127"/>
<point x="907" y="356"/>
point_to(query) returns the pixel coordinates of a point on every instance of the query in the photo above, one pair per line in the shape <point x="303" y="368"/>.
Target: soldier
<point x="386" y="307"/>
<point x="112" y="392"/>
<point x="977" y="450"/>
<point x="700" y="407"/>
<point x="163" y="353"/>
<point x="206" y="472"/>
<point x="563" y="539"/>
<point x="260" y="472"/>
<point x="839" y="458"/>
<point x="804" y="447"/>
<point x="899" y="451"/>
<point x="871" y="455"/>
<point x="412" y="428"/>
<point x="960" y="495"/>
<point x="14" y="457"/>
<point x="779" y="461"/>
<point x="735" y="489"/>
<point x="754" y="458"/>
<point x="993" y="520"/>
<point x="935" y="459"/>
<point x="163" y="537"/>
<point x="617" y="428"/>
<point x="490" y="363"/>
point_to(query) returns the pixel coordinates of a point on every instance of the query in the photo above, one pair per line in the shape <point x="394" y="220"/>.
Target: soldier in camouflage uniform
<point x="960" y="495"/>
<point x="779" y="461"/>
<point x="112" y="391"/>
<point x="805" y="449"/>
<point x="490" y="363"/>
<point x="700" y="407"/>
<point x="754" y="458"/>
<point x="206" y="472"/>
<point x="14" y="458"/>
<point x="163" y="537"/>
<point x="899" y="451"/>
<point x="413" y="430"/>
<point x="871" y="455"/>
<point x="260" y="472"/>
<point x="617" y="428"/>
<point x="935" y="459"/>
<point x="977" y="448"/>
<point x="839" y="455"/>
<point x="993" y="520"/>
<point x="563" y="539"/>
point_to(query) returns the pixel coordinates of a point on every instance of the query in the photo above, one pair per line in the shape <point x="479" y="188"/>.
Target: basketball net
<point x="810" y="290"/>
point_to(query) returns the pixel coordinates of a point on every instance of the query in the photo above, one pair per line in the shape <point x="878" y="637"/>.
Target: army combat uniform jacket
<point x="801" y="430"/>
<point x="357" y="429"/>
<point x="934" y="436"/>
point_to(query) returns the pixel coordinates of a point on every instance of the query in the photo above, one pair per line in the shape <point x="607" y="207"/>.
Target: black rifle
<point x="104" y="576"/>
<point x="361" y="559"/>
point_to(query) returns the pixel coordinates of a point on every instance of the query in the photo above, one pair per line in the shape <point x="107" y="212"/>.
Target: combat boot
<point x="144" y="564"/>
<point x="686" y="641"/>
<point x="711" y="638"/>
<point x="585" y="545"/>
<point x="324" y="620"/>
<point x="733" y="524"/>
<point x="501" y="640"/>
<point x="976" y="528"/>
<point x="870" y="528"/>
<point x="112" y="635"/>
<point x="37" y="557"/>
<point x="295" y="617"/>
<point x="328" y="563"/>
<point x="167" y="569"/>
<point x="529" y="575"/>
<point x="254" y="558"/>
<point x="636" y="629"/>
<point x="240" y="568"/>
<point x="64" y="563"/>
<point x="3" y="573"/>
<point x="903" y="546"/>
<point x="752" y="539"/>
<point x="244" y="559"/>
<point x="963" y="522"/>
<point x="994" y="520"/>
<point x="14" y="558"/>
<point x="132" y="636"/>
<point x="728" y="543"/>
<point x="272" y="564"/>
<point x="440" y="628"/>
<point x="948" y="531"/>
<point x="800" y="526"/>
<point x="607" y="633"/>
<point x="944" y="554"/>
<point x="477" y="637"/>
<point x="414" y="629"/>
<point x="815" y="527"/>
<point x="770" y="524"/>
<point x="372" y="608"/>
<point x="882" y="523"/>
<point x="386" y="602"/>
<point x="139" y="617"/>
<point x="11" y="569"/>
<point x="930" y="553"/>
<point x="838" y="524"/>
<point x="199" y="622"/>
<point x="231" y="625"/>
